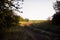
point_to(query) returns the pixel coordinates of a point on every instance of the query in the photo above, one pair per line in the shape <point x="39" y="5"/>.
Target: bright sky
<point x="37" y="9"/>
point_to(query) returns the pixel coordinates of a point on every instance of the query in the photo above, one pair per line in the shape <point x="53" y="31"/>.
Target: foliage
<point x="7" y="17"/>
<point x="26" y="19"/>
<point x="21" y="19"/>
<point x="56" y="16"/>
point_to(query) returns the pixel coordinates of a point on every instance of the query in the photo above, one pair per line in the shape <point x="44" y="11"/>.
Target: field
<point x="24" y="23"/>
<point x="33" y="30"/>
<point x="42" y="30"/>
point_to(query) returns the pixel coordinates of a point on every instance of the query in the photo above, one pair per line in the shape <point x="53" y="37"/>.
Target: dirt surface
<point x="30" y="33"/>
<point x="42" y="35"/>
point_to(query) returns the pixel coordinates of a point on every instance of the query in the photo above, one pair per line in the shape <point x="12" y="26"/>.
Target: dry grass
<point x="25" y="23"/>
<point x="31" y="22"/>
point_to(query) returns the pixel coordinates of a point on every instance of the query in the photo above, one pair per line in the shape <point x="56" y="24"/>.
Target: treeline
<point x="23" y="19"/>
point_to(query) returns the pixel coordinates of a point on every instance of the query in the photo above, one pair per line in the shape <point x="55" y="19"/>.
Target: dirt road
<point x="40" y="35"/>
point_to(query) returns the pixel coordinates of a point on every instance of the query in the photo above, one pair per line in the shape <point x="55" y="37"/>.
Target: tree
<point x="56" y="16"/>
<point x="7" y="17"/>
<point x="21" y="19"/>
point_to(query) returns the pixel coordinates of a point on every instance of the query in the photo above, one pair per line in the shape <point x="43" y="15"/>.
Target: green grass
<point x="46" y="25"/>
<point x="18" y="33"/>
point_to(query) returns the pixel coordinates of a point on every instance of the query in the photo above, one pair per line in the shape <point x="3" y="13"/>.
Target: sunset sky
<point x="37" y="9"/>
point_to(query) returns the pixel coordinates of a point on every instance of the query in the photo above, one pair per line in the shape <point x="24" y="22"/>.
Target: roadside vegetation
<point x="14" y="27"/>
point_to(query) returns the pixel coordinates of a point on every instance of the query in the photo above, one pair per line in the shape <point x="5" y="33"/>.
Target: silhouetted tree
<point x="7" y="17"/>
<point x="56" y="16"/>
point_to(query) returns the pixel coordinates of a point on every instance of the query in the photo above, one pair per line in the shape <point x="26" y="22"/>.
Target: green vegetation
<point x="7" y="17"/>
<point x="11" y="30"/>
<point x="23" y="20"/>
<point x="47" y="26"/>
<point x="8" y="21"/>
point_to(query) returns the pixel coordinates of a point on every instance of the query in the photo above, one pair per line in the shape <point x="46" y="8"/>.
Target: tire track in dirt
<point x="29" y="33"/>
